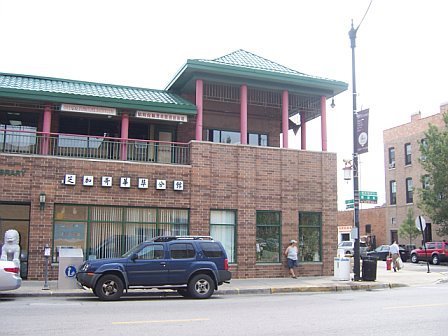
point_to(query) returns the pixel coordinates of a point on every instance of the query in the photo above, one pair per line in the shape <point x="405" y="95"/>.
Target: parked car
<point x="382" y="252"/>
<point x="435" y="253"/>
<point x="348" y="247"/>
<point x="9" y="276"/>
<point x="193" y="266"/>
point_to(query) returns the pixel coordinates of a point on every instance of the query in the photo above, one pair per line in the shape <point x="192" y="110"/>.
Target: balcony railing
<point x="93" y="147"/>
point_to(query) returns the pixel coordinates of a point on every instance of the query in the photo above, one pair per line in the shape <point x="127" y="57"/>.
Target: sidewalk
<point x="385" y="279"/>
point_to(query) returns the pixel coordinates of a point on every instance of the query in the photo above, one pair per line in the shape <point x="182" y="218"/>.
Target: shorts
<point x="292" y="263"/>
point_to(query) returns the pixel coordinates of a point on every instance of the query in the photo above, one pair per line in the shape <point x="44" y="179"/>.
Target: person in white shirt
<point x="394" y="252"/>
<point x="291" y="253"/>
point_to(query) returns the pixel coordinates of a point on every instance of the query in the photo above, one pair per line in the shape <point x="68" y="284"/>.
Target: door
<point x="164" y="148"/>
<point x="149" y="268"/>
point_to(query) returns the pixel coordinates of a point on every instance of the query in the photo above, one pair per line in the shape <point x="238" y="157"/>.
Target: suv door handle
<point x="163" y="263"/>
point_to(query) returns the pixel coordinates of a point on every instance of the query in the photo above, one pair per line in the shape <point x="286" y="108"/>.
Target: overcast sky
<point x="401" y="53"/>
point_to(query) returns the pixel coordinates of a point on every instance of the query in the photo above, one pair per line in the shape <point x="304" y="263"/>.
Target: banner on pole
<point x="362" y="131"/>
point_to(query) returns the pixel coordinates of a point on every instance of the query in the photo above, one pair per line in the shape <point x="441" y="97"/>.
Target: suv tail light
<point x="12" y="269"/>
<point x="226" y="264"/>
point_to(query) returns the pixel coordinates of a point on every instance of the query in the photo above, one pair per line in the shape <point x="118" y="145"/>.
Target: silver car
<point x="9" y="275"/>
<point x="348" y="246"/>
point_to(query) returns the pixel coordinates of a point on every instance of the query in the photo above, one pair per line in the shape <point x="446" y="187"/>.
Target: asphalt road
<point x="401" y="311"/>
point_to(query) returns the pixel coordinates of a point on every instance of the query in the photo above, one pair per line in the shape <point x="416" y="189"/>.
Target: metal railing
<point x="93" y="147"/>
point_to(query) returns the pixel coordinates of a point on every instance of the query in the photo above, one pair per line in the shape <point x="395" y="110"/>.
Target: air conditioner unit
<point x="391" y="165"/>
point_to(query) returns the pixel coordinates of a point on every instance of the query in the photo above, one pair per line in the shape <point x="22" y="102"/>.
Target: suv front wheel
<point x="201" y="286"/>
<point x="109" y="287"/>
<point x="414" y="258"/>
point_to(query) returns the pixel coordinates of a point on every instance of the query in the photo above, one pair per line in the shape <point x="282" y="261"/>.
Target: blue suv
<point x="193" y="265"/>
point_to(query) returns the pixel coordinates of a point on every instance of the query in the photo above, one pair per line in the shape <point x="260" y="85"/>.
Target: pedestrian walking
<point x="394" y="252"/>
<point x="291" y="253"/>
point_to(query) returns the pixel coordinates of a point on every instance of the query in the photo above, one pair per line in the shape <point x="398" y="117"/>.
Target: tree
<point x="408" y="229"/>
<point x="433" y="200"/>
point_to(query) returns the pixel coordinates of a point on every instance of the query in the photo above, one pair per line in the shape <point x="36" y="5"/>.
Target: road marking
<point x="162" y="321"/>
<point x="418" y="306"/>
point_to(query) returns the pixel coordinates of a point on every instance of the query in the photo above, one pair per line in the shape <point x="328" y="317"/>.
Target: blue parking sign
<point x="70" y="271"/>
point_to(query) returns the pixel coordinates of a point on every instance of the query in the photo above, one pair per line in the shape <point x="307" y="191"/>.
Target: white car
<point x="348" y="247"/>
<point x="9" y="276"/>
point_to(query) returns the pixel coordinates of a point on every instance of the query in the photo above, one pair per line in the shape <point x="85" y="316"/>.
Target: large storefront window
<point x="107" y="232"/>
<point x="310" y="237"/>
<point x="222" y="228"/>
<point x="268" y="236"/>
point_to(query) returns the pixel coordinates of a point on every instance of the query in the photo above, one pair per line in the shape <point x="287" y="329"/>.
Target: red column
<point x="323" y="122"/>
<point x="302" y="130"/>
<point x="199" y="106"/>
<point x="243" y="114"/>
<point x="285" y="118"/>
<point x="124" y="136"/>
<point x="46" y="128"/>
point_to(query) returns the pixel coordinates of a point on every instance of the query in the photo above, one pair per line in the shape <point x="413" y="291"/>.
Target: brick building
<point x="102" y="167"/>
<point x="403" y="173"/>
<point x="372" y="225"/>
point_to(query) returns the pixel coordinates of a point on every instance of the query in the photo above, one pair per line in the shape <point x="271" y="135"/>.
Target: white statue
<point x="11" y="247"/>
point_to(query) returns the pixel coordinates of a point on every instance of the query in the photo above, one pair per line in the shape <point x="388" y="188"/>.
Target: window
<point x="108" y="232"/>
<point x="223" y="229"/>
<point x="211" y="250"/>
<point x="425" y="182"/>
<point x="391" y="157"/>
<point x="151" y="252"/>
<point x="424" y="144"/>
<point x="409" y="190"/>
<point x="393" y="192"/>
<point x="407" y="154"/>
<point x="268" y="230"/>
<point x="182" y="251"/>
<point x="368" y="228"/>
<point x="310" y="237"/>
<point x="393" y="221"/>
<point x="232" y="137"/>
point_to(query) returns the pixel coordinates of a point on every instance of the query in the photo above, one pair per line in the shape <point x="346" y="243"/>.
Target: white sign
<point x="87" y="181"/>
<point x="125" y="182"/>
<point x="106" y="181"/>
<point x="161" y="184"/>
<point x="161" y="116"/>
<point x="178" y="185"/>
<point x="421" y="220"/>
<point x="70" y="179"/>
<point x="143" y="183"/>
<point x="88" y="109"/>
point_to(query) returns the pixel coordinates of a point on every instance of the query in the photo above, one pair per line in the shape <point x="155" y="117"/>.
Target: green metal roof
<point x="244" y="67"/>
<point x="69" y="91"/>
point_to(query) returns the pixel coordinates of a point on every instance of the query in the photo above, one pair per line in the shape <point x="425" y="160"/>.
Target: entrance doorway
<point x="17" y="217"/>
<point x="164" y="149"/>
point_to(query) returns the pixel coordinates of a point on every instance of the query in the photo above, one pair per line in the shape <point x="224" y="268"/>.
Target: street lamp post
<point x="356" y="256"/>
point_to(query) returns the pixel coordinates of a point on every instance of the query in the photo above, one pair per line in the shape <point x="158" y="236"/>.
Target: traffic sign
<point x="420" y="223"/>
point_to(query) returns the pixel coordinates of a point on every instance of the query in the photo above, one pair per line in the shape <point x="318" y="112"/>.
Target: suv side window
<point x="212" y="250"/>
<point x="430" y="246"/>
<point x="182" y="251"/>
<point x="151" y="252"/>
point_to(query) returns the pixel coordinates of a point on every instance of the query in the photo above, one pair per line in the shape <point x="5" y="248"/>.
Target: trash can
<point x="341" y="268"/>
<point x="369" y="269"/>
<point x="70" y="259"/>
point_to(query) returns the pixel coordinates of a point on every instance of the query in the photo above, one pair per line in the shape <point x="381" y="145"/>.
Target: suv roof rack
<point x="170" y="238"/>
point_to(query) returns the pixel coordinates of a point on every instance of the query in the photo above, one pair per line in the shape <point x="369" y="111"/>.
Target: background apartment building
<point x="403" y="172"/>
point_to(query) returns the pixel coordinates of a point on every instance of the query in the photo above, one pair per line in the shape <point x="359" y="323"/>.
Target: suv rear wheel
<point x="435" y="259"/>
<point x="201" y="286"/>
<point x="414" y="258"/>
<point x="109" y="287"/>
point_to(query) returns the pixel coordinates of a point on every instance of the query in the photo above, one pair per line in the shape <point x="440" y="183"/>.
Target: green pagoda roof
<point x="244" y="67"/>
<point x="70" y="91"/>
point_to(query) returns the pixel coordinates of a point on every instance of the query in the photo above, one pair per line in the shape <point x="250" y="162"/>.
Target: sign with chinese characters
<point x="161" y="116"/>
<point x="87" y="181"/>
<point x="70" y="179"/>
<point x="143" y="183"/>
<point x="161" y="184"/>
<point x="178" y="185"/>
<point x="125" y="182"/>
<point x="106" y="181"/>
<point x="88" y="109"/>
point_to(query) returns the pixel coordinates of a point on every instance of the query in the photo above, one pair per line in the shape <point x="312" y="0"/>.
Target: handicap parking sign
<point x="70" y="271"/>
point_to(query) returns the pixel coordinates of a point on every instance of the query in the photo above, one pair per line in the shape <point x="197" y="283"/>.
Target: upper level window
<point x="393" y="192"/>
<point x="407" y="154"/>
<point x="425" y="182"/>
<point x="232" y="137"/>
<point x="424" y="144"/>
<point x="392" y="157"/>
<point x="409" y="190"/>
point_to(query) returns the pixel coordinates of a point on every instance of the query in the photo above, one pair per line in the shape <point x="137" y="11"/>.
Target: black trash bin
<point x="369" y="269"/>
